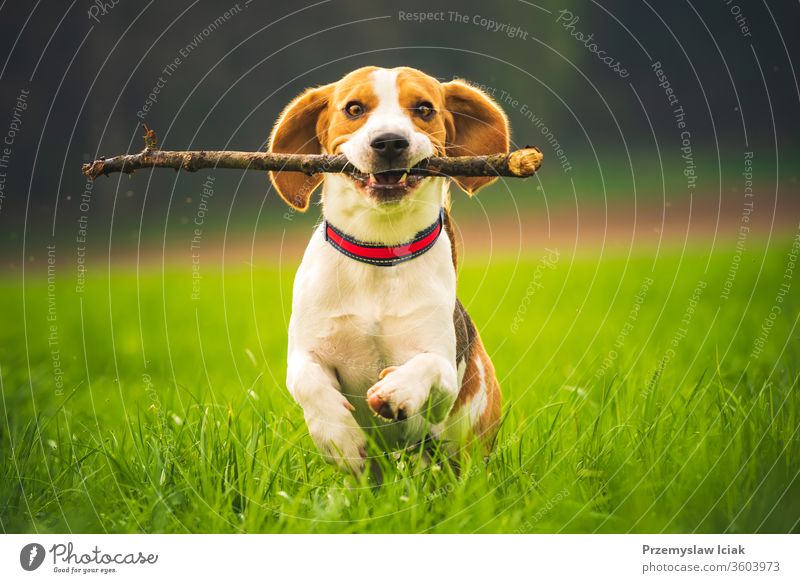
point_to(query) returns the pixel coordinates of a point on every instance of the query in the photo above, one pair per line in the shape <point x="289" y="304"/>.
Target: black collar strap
<point x="384" y="255"/>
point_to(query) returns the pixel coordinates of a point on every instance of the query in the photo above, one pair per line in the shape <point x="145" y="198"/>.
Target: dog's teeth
<point x="372" y="178"/>
<point x="403" y="178"/>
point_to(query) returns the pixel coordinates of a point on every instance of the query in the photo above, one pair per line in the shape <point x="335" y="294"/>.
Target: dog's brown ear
<point x="475" y="126"/>
<point x="297" y="131"/>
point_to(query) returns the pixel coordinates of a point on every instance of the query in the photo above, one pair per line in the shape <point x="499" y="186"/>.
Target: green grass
<point x="174" y="418"/>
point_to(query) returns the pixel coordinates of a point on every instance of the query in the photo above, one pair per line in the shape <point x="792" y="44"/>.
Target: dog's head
<point x="385" y="121"/>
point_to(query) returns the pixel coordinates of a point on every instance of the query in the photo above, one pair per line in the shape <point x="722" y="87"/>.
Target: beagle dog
<point x="378" y="343"/>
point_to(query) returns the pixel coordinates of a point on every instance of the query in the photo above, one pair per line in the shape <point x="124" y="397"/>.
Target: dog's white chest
<point x="358" y="319"/>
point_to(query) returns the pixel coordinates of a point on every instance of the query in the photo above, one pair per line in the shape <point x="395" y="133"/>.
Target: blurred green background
<point x="130" y="404"/>
<point x="240" y="63"/>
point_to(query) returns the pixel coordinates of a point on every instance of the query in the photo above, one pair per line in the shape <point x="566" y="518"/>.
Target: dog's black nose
<point x="389" y="145"/>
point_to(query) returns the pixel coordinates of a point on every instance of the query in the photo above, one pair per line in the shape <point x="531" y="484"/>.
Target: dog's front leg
<point x="328" y="413"/>
<point x="426" y="385"/>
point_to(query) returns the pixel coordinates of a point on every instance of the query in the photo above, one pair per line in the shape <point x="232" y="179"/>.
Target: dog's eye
<point x="353" y="109"/>
<point x="425" y="110"/>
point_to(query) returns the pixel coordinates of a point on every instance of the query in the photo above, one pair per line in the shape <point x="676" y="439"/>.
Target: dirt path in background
<point x="619" y="226"/>
<point x="624" y="225"/>
<point x="585" y="227"/>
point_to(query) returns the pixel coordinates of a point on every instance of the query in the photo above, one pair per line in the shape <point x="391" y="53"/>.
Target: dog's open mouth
<point x="387" y="185"/>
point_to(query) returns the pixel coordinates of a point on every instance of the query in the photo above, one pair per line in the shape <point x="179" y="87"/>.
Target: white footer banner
<point x="400" y="558"/>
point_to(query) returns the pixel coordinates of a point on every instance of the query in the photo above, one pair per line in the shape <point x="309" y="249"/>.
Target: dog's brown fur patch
<point x="470" y="349"/>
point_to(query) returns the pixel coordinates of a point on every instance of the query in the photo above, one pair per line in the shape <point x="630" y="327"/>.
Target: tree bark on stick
<point x="517" y="164"/>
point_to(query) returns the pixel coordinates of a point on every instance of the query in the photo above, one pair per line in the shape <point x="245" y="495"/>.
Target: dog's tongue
<point x="388" y="177"/>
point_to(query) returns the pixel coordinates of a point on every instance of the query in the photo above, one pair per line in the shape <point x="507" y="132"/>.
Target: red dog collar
<point x="384" y="255"/>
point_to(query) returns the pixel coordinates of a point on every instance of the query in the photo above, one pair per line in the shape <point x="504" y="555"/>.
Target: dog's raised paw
<point x="384" y="411"/>
<point x="396" y="395"/>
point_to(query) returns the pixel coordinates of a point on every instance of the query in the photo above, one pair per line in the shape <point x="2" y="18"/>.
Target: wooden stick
<point x="518" y="164"/>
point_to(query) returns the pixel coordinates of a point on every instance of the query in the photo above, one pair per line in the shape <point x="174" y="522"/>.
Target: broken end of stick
<point x="93" y="169"/>
<point x="525" y="162"/>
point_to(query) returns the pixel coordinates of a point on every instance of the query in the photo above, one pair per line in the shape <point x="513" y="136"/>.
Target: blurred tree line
<point x="216" y="75"/>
